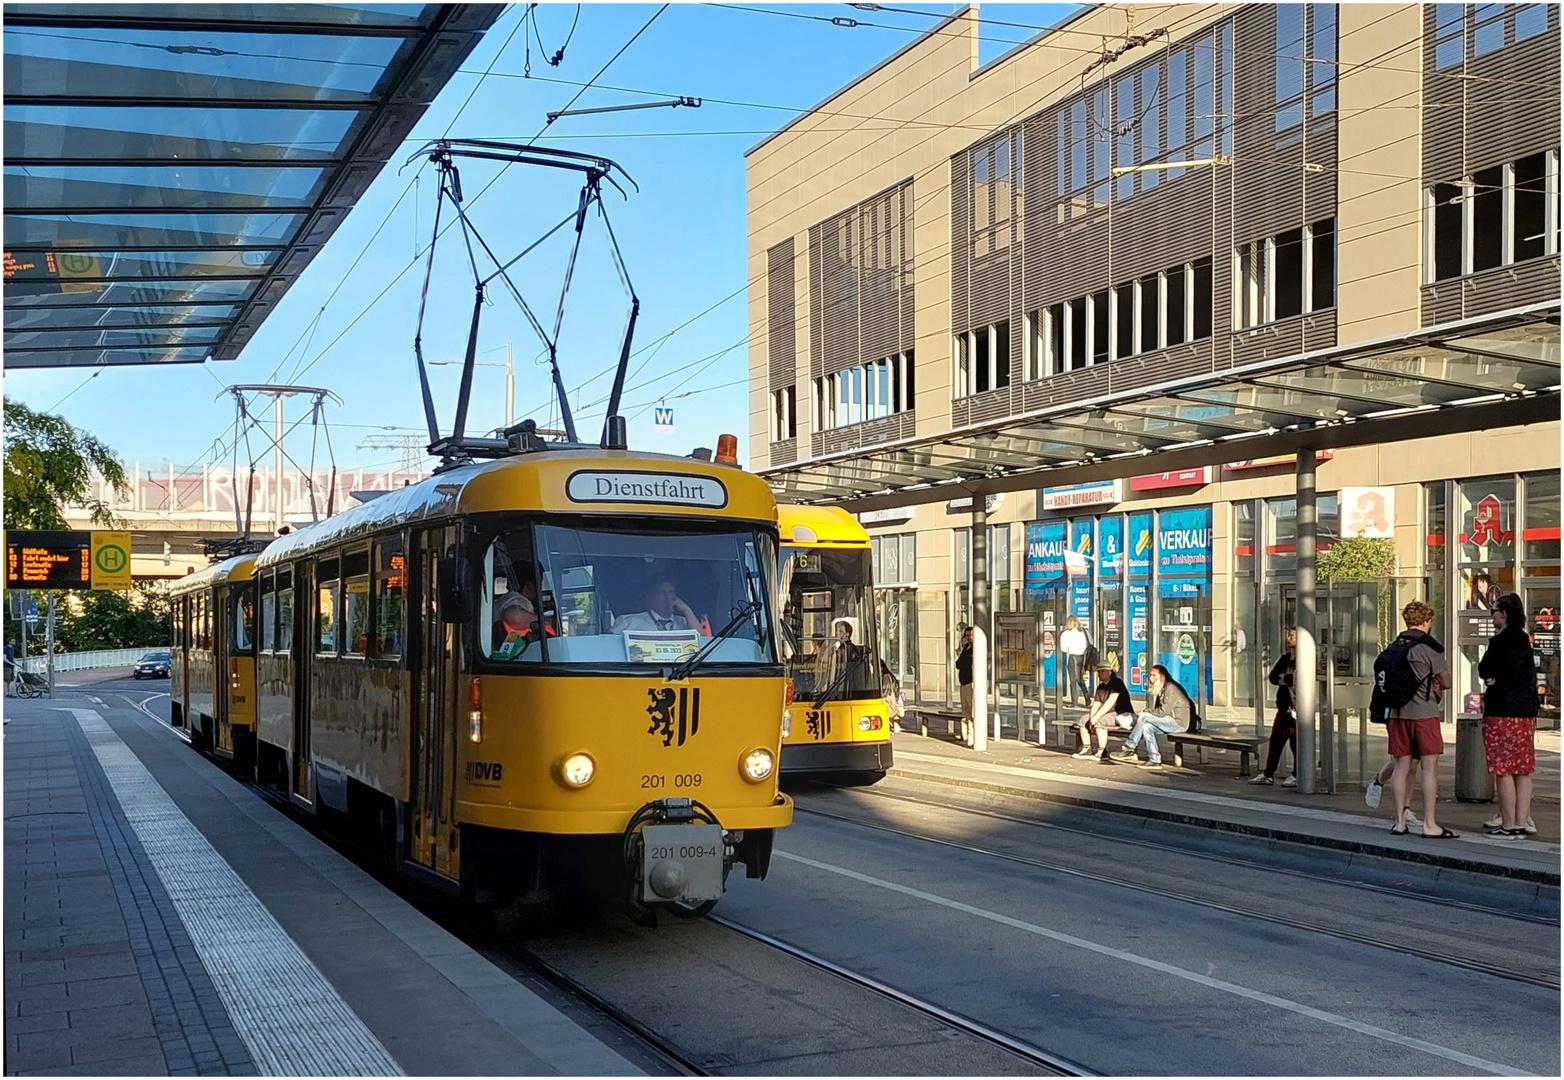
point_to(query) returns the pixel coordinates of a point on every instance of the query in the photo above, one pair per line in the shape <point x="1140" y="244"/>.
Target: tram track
<point x="1493" y="970"/>
<point x="510" y="953"/>
<point x="1227" y="860"/>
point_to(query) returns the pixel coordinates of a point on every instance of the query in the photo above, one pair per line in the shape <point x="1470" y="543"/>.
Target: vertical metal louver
<point x="861" y="279"/>
<point x="781" y="340"/>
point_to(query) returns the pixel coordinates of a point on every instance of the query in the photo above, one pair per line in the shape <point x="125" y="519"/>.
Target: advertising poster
<point x="1184" y="575"/>
<point x="1138" y="546"/>
<point x="1110" y="548"/>
<point x="1081" y="586"/>
<point x="1045" y="585"/>
<point x="1135" y="660"/>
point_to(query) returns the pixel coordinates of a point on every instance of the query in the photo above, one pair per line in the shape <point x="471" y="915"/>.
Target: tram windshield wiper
<point x="746" y="612"/>
<point x="836" y="683"/>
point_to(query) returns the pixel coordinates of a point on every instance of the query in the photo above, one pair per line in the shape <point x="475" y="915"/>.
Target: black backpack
<point x="1395" y="683"/>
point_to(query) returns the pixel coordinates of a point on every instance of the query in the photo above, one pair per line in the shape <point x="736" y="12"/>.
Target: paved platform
<point x="1213" y="795"/>
<point x="161" y="919"/>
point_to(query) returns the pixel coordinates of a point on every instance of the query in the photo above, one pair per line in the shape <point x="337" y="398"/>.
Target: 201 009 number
<point x="680" y="780"/>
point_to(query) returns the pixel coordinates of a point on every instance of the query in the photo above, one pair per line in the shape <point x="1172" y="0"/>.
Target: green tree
<point x="111" y="619"/>
<point x="48" y="467"/>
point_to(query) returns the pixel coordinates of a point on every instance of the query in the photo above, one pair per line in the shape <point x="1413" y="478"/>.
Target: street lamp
<point x="510" y="379"/>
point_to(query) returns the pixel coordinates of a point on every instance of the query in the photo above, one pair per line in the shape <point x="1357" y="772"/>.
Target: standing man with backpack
<point x="1409" y="677"/>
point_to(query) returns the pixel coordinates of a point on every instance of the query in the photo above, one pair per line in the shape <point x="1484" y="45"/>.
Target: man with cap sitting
<point x="1111" y="708"/>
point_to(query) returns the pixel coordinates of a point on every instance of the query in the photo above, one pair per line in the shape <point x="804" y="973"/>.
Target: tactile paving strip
<point x="290" y="1017"/>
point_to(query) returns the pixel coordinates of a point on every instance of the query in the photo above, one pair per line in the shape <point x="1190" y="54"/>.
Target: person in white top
<point x="664" y="611"/>
<point x="1072" y="643"/>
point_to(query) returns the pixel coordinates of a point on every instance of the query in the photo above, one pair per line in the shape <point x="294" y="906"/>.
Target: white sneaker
<point x="1497" y="822"/>
<point x="1372" y="793"/>
<point x="1291" y="781"/>
<point x="1084" y="755"/>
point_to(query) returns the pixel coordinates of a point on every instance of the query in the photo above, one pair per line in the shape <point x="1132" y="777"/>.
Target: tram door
<point x="434" y="711"/>
<point x="303" y="651"/>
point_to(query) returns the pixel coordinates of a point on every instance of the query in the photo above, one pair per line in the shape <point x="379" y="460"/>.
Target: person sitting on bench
<point x="1111" y="709"/>
<point x="1168" y="709"/>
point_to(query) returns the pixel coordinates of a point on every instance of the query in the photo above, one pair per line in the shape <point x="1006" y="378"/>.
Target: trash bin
<point x="1473" y="782"/>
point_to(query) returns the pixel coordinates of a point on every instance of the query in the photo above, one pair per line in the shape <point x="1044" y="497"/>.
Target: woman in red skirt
<point x="1509" y="672"/>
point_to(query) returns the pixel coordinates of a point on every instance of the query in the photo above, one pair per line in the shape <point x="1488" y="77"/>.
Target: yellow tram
<point x="212" y="663"/>
<point x="556" y="667"/>
<point x="839" y="724"/>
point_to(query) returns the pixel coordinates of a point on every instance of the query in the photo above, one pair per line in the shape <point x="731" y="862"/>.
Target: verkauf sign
<point x="1181" y="478"/>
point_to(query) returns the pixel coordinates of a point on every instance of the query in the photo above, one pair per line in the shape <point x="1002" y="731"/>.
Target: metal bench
<point x="918" y="716"/>
<point x="1066" y="741"/>
<point x="1246" y="745"/>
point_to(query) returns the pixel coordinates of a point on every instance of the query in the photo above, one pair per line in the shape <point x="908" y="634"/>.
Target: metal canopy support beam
<point x="1306" y="680"/>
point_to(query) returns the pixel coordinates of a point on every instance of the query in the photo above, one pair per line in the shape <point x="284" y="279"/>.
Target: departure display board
<point x="48" y="560"/>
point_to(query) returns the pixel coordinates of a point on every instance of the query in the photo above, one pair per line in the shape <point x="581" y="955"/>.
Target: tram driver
<point x="517" y="622"/>
<point x="665" y="610"/>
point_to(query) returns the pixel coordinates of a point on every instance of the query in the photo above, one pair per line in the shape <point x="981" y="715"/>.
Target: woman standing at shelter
<point x="1509" y="671"/>
<point x="1072" y="643"/>
<point x="1284" y="728"/>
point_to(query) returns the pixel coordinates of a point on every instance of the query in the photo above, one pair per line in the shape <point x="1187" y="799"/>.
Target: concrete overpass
<point x="173" y="510"/>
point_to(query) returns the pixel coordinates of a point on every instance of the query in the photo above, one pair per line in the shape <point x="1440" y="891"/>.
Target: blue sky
<point x="682" y="235"/>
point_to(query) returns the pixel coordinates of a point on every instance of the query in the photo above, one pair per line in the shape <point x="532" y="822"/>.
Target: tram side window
<point x="326" y="608"/>
<point x="268" y="638"/>
<point x="355" y="602"/>
<point x="284" y="610"/>
<point x="243" y="607"/>
<point x="177" y="616"/>
<point x="203" y="637"/>
<point x="390" y="584"/>
<point x="510" y="602"/>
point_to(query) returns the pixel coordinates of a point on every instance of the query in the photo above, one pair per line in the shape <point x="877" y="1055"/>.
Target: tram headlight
<point x="757" y="764"/>
<point x="576" y="770"/>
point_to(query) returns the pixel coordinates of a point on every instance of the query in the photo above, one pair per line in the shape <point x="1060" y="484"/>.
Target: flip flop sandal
<point x="1444" y="834"/>
<point x="1397" y="832"/>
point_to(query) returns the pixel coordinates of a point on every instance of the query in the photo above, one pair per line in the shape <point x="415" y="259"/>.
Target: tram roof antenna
<point x="596" y="169"/>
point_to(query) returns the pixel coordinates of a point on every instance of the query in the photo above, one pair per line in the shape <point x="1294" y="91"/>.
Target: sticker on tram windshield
<point x="659" y="489"/>
<point x="676" y="714"/>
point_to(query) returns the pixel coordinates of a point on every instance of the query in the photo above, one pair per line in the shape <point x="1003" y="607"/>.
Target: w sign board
<point x="662" y="419"/>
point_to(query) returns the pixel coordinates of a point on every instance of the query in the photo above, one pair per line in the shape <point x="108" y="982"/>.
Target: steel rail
<point x="1248" y="864"/>
<point x="1479" y="966"/>
<point x="1020" y="1047"/>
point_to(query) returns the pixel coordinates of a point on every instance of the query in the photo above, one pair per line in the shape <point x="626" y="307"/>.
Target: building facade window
<point x="995" y="166"/>
<point x="1172" y="109"/>
<point x="854" y="395"/>
<point x="1496" y="216"/>
<point x="1488" y="27"/>
<point x="1286" y="275"/>
<point x="1305" y="62"/>
<point x="982" y="360"/>
<point x="784" y="410"/>
<point x="1157" y="311"/>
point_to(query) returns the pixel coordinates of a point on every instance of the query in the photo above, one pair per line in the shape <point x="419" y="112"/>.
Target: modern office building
<point x="1113" y="289"/>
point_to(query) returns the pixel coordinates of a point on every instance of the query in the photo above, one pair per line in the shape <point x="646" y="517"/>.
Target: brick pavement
<point x="100" y="976"/>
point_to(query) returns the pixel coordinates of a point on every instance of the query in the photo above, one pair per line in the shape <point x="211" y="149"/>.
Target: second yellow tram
<point x="212" y="662"/>
<point x="839" y="723"/>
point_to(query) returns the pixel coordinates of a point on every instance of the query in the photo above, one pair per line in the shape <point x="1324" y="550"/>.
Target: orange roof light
<point x="728" y="449"/>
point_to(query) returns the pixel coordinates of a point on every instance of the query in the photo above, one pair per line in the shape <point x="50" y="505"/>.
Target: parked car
<point x="154" y="665"/>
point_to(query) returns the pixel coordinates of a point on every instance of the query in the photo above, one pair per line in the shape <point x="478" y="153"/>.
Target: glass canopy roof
<point x="1446" y="379"/>
<point x="170" y="169"/>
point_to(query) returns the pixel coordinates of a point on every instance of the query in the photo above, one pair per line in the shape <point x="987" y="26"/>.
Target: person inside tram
<point x="516" y="625"/>
<point x="665" y="610"/>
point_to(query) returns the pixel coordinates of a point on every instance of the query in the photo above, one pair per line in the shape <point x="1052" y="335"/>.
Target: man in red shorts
<point x="1413" y="729"/>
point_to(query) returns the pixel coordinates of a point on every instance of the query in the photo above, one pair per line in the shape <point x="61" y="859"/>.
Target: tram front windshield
<point x="617" y="596"/>
<point x="828" y="623"/>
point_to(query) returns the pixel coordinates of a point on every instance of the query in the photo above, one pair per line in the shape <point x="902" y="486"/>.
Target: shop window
<point x="1487" y="218"/>
<point x="1436" y="543"/>
<point x="1243" y="538"/>
<point x="1541" y="537"/>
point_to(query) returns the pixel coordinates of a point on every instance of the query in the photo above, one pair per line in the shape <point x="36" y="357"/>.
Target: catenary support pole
<point x="1306" y="682"/>
<point x="277" y="463"/>
<point x="980" y="617"/>
<point x="48" y="644"/>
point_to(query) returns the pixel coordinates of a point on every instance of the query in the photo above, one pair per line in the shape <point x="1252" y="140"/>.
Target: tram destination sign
<point x="78" y="559"/>
<point x="657" y="489"/>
